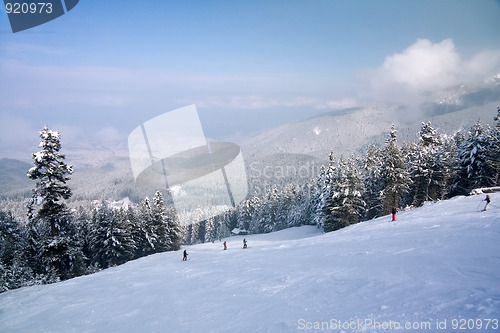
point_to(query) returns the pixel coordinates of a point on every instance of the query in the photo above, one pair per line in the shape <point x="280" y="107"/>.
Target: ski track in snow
<point x="435" y="263"/>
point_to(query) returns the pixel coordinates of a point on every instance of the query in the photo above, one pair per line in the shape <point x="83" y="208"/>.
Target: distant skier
<point x="487" y="199"/>
<point x="244" y="243"/>
<point x="185" y="256"/>
<point x="394" y="213"/>
<point x="225" y="247"/>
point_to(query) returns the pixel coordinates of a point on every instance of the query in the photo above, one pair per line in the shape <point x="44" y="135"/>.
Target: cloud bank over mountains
<point x="425" y="68"/>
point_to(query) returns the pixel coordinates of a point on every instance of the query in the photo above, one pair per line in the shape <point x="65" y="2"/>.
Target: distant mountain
<point x="306" y="145"/>
<point x="13" y="179"/>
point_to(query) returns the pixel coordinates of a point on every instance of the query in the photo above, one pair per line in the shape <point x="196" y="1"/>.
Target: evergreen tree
<point x="394" y="174"/>
<point x="494" y="157"/>
<point x="62" y="254"/>
<point x="245" y="211"/>
<point x="475" y="170"/>
<point x="327" y="199"/>
<point x="173" y="229"/>
<point x="14" y="273"/>
<point x="319" y="197"/>
<point x="346" y="205"/>
<point x="112" y="243"/>
<point x="161" y="240"/>
<point x="11" y="240"/>
<point x="145" y="236"/>
<point x="427" y="169"/>
<point x="373" y="182"/>
<point x="50" y="235"/>
<point x="51" y="174"/>
<point x="267" y="213"/>
<point x="293" y="205"/>
<point x="210" y="230"/>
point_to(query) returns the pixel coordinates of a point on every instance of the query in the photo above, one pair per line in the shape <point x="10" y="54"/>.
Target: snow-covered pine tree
<point x="308" y="202"/>
<point x="221" y="225"/>
<point x="426" y="169"/>
<point x="495" y="149"/>
<point x="210" y="230"/>
<point x="162" y="240"/>
<point x="255" y="203"/>
<point x="195" y="233"/>
<point x="11" y="240"/>
<point x="292" y="200"/>
<point x="458" y="183"/>
<point x="286" y="205"/>
<point x="447" y="159"/>
<point x="173" y="229"/>
<point x="327" y="196"/>
<point x="14" y="273"/>
<point x="144" y="235"/>
<point x="50" y="232"/>
<point x="245" y="211"/>
<point x="373" y="182"/>
<point x="474" y="170"/>
<point x="395" y="177"/>
<point x="346" y="205"/>
<point x="111" y="241"/>
<point x="319" y="198"/>
<point x="137" y="230"/>
<point x="51" y="174"/>
<point x="352" y="189"/>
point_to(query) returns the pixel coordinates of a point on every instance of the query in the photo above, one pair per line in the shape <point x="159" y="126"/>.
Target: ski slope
<point x="436" y="266"/>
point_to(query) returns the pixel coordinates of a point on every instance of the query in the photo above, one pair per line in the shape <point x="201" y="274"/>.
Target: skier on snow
<point x="244" y="243"/>
<point x="394" y="214"/>
<point x="487" y="199"/>
<point x="225" y="247"/>
<point x="185" y="256"/>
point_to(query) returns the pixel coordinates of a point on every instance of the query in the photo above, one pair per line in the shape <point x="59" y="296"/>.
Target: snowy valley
<point x="435" y="269"/>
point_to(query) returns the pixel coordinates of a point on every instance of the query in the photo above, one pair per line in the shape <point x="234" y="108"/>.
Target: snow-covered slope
<point x="434" y="265"/>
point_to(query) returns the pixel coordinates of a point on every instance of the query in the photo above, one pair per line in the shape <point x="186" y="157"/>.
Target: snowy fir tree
<point x="145" y="237"/>
<point x="373" y="182"/>
<point x="426" y="169"/>
<point x="210" y="231"/>
<point x="245" y="212"/>
<point x="51" y="174"/>
<point x="173" y="229"/>
<point x="14" y="272"/>
<point x="292" y="206"/>
<point x="475" y="168"/>
<point x="161" y="238"/>
<point x="319" y="198"/>
<point x="346" y="205"/>
<point x="54" y="246"/>
<point x="395" y="177"/>
<point x="495" y="149"/>
<point x="111" y="239"/>
<point x="327" y="201"/>
<point x="267" y="213"/>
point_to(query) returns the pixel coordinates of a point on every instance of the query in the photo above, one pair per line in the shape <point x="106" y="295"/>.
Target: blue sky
<point x="105" y="67"/>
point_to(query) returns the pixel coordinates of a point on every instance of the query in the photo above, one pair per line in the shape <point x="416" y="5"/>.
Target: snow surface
<point x="435" y="263"/>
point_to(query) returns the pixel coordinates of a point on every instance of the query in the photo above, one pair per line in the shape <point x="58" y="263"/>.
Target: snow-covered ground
<point x="435" y="267"/>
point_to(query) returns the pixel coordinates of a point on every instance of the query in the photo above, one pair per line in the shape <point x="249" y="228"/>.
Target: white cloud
<point x="424" y="65"/>
<point x="425" y="68"/>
